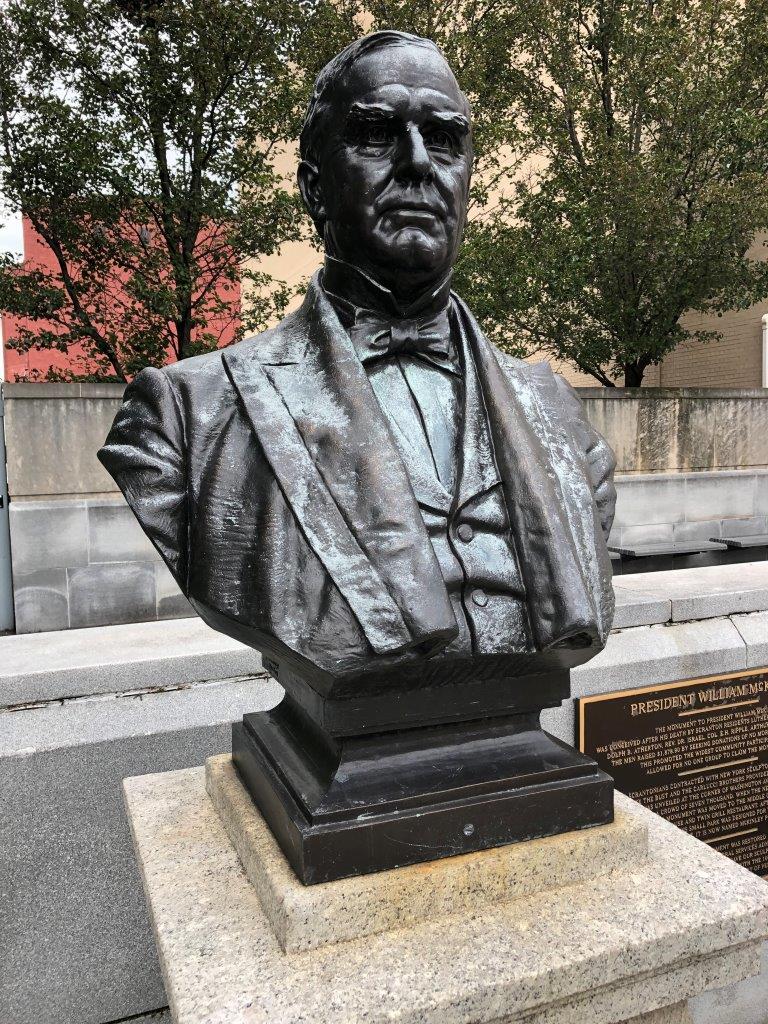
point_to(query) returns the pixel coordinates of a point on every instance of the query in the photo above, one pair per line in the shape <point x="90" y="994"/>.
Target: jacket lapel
<point x="547" y="505"/>
<point x="309" y="401"/>
<point x="476" y="471"/>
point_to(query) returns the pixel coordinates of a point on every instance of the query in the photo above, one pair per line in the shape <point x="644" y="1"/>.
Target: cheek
<point x="454" y="184"/>
<point x="356" y="186"/>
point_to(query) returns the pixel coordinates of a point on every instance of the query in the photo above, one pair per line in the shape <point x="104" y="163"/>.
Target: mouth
<point x="413" y="213"/>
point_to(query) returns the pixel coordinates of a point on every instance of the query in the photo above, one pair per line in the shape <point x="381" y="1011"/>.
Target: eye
<point x="374" y="134"/>
<point x="438" y="139"/>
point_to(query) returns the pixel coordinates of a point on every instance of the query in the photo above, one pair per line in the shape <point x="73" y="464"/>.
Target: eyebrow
<point x="359" y="111"/>
<point x="456" y="121"/>
<point x="370" y="111"/>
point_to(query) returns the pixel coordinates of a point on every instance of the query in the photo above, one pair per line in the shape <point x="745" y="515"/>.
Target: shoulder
<point x="539" y="373"/>
<point x="551" y="388"/>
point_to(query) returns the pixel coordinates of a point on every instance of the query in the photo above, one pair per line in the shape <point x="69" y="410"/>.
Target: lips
<point x="413" y="212"/>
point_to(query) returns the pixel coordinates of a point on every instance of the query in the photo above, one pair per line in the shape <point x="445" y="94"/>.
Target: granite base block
<point x="307" y="917"/>
<point x="678" y="1014"/>
<point x="641" y="939"/>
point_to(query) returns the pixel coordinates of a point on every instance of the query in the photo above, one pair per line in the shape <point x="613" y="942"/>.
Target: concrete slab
<point x="171" y="603"/>
<point x="41" y="600"/>
<point x="114" y="534"/>
<point x="48" y="535"/>
<point x="647" y="498"/>
<point x="111" y="592"/>
<point x="648" y="936"/>
<point x="703" y="530"/>
<point x="754" y="631"/>
<point x="109" y="717"/>
<point x="745" y="527"/>
<point x="730" y="493"/>
<point x="313" y="916"/>
<point x="648" y="655"/>
<point x="661" y="654"/>
<point x="634" y="608"/>
<point x="77" y="947"/>
<point x="109" y="659"/>
<point x="654" y="533"/>
<point x="706" y="592"/>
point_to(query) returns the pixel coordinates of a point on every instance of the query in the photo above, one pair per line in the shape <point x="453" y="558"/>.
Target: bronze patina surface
<point x="408" y="524"/>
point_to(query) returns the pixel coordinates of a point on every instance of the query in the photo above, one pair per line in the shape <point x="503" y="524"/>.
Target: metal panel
<point x="6" y="582"/>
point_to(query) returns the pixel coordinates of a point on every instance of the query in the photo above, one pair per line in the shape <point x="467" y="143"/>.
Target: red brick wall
<point x="18" y="366"/>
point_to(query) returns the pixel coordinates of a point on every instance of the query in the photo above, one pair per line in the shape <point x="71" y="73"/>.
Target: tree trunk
<point x="633" y="375"/>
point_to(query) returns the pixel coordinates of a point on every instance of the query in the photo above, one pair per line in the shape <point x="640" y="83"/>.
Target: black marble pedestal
<point x="342" y="801"/>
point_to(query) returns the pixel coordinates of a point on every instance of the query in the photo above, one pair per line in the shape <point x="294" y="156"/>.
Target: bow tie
<point x="376" y="337"/>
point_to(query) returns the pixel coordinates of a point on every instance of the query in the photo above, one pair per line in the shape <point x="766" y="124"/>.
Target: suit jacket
<point x="266" y="476"/>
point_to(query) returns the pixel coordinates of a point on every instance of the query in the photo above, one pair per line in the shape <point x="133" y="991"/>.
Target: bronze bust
<point x="401" y="518"/>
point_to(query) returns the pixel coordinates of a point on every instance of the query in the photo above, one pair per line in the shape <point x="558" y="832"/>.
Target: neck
<point x="363" y="289"/>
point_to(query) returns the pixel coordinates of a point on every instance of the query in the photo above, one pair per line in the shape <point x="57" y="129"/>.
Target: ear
<point x="309" y="185"/>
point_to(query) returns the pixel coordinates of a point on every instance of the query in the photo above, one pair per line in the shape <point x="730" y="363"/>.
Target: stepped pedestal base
<point x="477" y="939"/>
<point x="342" y="804"/>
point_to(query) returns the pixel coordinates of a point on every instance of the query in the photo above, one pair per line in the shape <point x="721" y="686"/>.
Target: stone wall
<point x="86" y="562"/>
<point x="663" y="507"/>
<point x="658" y="430"/>
<point x="691" y="464"/>
<point x="52" y="434"/>
<point x="54" y="430"/>
<point x="79" y="556"/>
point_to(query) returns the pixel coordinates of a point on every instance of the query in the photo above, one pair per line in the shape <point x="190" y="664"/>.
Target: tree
<point x="139" y="137"/>
<point x="639" y="179"/>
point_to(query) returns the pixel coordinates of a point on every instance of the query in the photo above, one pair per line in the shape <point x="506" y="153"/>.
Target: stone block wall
<point x="683" y="430"/>
<point x="663" y="507"/>
<point x="79" y="557"/>
<point x="692" y="463"/>
<point x="86" y="563"/>
<point x="52" y="434"/>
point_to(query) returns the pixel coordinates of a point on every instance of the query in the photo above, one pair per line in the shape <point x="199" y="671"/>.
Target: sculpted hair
<point x="312" y="130"/>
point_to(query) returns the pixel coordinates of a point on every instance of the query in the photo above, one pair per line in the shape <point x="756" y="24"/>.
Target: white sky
<point x="10" y="241"/>
<point x="10" y="231"/>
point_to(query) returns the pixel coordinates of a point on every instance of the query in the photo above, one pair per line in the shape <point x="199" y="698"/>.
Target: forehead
<point x="404" y="76"/>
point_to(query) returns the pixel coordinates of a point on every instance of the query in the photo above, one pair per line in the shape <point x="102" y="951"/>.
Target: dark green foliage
<point x="139" y="138"/>
<point x="622" y="165"/>
<point x="640" y="177"/>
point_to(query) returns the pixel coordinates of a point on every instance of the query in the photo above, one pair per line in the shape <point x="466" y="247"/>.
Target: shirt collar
<point x="353" y="286"/>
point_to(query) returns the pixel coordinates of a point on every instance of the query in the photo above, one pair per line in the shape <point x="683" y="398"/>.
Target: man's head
<point x="386" y="158"/>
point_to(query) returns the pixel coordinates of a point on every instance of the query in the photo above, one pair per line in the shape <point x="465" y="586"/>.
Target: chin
<point x="416" y="252"/>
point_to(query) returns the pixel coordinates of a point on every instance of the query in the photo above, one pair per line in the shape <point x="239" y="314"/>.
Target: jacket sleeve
<point x="601" y="462"/>
<point x="144" y="453"/>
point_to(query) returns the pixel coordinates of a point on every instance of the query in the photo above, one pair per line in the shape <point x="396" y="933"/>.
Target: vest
<point x="472" y="537"/>
<point x="470" y="530"/>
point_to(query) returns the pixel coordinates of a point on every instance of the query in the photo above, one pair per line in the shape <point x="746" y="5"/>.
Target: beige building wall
<point x="295" y="262"/>
<point x="734" y="362"/>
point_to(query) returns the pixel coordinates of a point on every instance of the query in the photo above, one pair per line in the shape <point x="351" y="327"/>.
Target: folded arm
<point x="601" y="462"/>
<point x="144" y="453"/>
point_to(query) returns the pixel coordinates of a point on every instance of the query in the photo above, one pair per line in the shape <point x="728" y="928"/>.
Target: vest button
<point x="465" y="532"/>
<point x="480" y="598"/>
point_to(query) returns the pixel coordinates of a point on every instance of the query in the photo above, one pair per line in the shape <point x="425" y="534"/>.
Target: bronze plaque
<point x="695" y="752"/>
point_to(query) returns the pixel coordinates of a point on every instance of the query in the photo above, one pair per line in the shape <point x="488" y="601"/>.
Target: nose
<point x="413" y="162"/>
